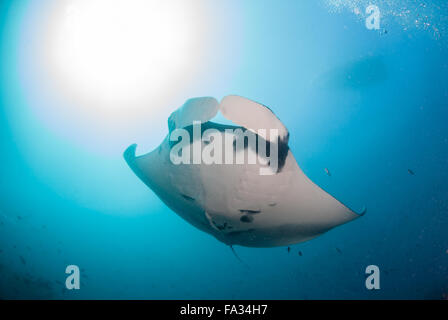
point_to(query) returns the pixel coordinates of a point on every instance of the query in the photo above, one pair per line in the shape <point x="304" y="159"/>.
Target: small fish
<point x="411" y="172"/>
<point x="339" y="250"/>
<point x="300" y="253"/>
<point x="328" y="172"/>
<point x="289" y="249"/>
<point x="22" y="260"/>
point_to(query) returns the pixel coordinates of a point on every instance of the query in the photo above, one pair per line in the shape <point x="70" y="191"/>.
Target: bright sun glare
<point x="120" y="53"/>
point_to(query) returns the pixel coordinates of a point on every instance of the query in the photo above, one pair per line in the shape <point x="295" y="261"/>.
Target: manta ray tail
<point x="236" y="256"/>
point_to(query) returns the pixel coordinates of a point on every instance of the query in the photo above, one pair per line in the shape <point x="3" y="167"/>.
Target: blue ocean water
<point x="368" y="105"/>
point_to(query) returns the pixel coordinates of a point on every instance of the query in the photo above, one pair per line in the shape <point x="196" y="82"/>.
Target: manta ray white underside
<point x="235" y="203"/>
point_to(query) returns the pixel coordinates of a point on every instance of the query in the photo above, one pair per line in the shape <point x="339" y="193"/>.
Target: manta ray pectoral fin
<point x="138" y="164"/>
<point x="356" y="214"/>
<point x="363" y="211"/>
<point x="353" y="215"/>
<point x="195" y="109"/>
<point x="129" y="155"/>
<point x="253" y="116"/>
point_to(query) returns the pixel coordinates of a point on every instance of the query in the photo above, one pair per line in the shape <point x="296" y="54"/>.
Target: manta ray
<point x="234" y="202"/>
